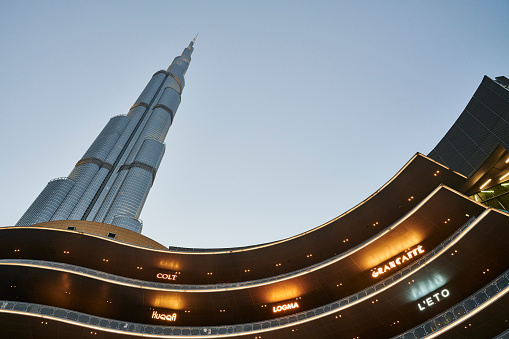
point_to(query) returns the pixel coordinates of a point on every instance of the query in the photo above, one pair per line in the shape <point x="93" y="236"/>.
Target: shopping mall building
<point x="427" y="255"/>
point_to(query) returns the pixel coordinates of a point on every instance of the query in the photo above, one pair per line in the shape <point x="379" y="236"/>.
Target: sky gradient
<point x="293" y="111"/>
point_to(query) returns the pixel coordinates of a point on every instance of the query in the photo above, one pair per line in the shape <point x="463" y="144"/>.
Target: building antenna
<point x="194" y="40"/>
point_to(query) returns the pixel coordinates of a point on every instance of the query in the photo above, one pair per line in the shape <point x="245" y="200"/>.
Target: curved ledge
<point x="501" y="284"/>
<point x="95" y="230"/>
<point x="96" y="161"/>
<point x="167" y="109"/>
<point x="178" y="81"/>
<point x="142" y="165"/>
<point x="139" y="104"/>
<point x="161" y="71"/>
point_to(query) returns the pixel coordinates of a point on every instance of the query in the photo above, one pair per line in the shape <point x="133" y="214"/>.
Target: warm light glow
<point x="380" y="254"/>
<point x="172" y="301"/>
<point x="397" y="262"/>
<point x="505" y="176"/>
<point x="280" y="293"/>
<point x="486" y="183"/>
<point x="289" y="306"/>
<point x="162" y="316"/>
<point x="166" y="276"/>
<point x="169" y="265"/>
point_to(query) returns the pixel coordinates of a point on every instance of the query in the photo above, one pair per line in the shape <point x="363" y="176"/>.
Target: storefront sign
<point x="166" y="276"/>
<point x="285" y="307"/>
<point x="397" y="262"/>
<point x="430" y="301"/>
<point x="167" y="317"/>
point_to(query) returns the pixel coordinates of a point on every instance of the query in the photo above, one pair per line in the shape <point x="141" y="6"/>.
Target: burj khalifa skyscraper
<point x="111" y="181"/>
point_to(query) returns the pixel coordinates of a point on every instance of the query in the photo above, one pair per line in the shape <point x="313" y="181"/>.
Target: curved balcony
<point x="467" y="240"/>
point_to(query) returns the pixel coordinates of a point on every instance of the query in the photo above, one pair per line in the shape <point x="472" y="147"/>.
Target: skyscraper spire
<point x="111" y="181"/>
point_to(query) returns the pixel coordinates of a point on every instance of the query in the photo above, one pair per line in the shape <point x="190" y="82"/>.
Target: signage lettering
<point x="285" y="307"/>
<point x="430" y="301"/>
<point x="166" y="317"/>
<point x="398" y="261"/>
<point x="166" y="276"/>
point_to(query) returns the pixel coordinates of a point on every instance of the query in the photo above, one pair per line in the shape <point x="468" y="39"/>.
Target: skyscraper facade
<point x="110" y="183"/>
<point x="425" y="256"/>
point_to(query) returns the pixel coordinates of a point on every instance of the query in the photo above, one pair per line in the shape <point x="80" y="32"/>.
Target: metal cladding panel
<point x="172" y="83"/>
<point x="100" y="210"/>
<point x="501" y="130"/>
<point x="481" y="127"/>
<point x="88" y="194"/>
<point x="151" y="88"/>
<point x="495" y="98"/>
<point x="123" y="139"/>
<point x="107" y="138"/>
<point x="471" y="126"/>
<point x="158" y="126"/>
<point x="82" y="175"/>
<point x="479" y="156"/>
<point x="183" y="63"/>
<point x="132" y="194"/>
<point x="483" y="113"/>
<point x="450" y="156"/>
<point x="186" y="54"/>
<point x="489" y="144"/>
<point x="170" y="98"/>
<point x="47" y="202"/>
<point x="155" y="125"/>
<point x="128" y="223"/>
<point x="151" y="153"/>
<point x="457" y="136"/>
<point x="177" y="70"/>
<point x="136" y="112"/>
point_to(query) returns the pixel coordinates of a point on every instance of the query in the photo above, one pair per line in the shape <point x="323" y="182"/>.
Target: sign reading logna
<point x="397" y="262"/>
<point x="285" y="307"/>
<point x="167" y="317"/>
<point x="166" y="276"/>
<point x="430" y="301"/>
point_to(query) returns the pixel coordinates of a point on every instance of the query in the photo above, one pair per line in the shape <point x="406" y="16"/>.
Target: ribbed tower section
<point x="111" y="181"/>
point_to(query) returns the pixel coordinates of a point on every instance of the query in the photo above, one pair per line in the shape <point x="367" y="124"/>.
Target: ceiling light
<point x="484" y="185"/>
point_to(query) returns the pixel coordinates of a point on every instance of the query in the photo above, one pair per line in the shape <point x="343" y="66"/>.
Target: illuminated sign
<point x="398" y="261"/>
<point x="430" y="301"/>
<point x="167" y="317"/>
<point x="166" y="276"/>
<point x="285" y="307"/>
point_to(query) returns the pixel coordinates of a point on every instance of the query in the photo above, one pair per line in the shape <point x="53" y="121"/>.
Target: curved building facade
<point x="425" y="256"/>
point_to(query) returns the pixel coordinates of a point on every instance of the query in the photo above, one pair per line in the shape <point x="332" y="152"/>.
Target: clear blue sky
<point x="293" y="112"/>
